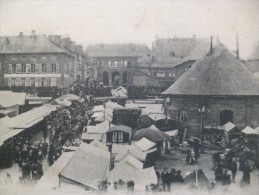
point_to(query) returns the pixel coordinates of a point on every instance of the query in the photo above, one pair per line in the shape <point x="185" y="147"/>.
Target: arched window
<point x="105" y="78"/>
<point x="182" y="116"/>
<point x="125" y="78"/>
<point x="115" y="78"/>
<point x="226" y="116"/>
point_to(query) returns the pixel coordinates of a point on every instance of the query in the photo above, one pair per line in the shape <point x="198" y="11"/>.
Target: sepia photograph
<point x="129" y="97"/>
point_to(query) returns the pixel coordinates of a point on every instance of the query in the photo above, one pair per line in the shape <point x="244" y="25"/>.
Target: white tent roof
<point x="249" y="130"/>
<point x="50" y="178"/>
<point x="98" y="144"/>
<point x="119" y="92"/>
<point x="119" y="148"/>
<point x="29" y="118"/>
<point x="257" y="129"/>
<point x="69" y="97"/>
<point x="98" y="115"/>
<point x="156" y="117"/>
<point x="154" y="127"/>
<point x="126" y="170"/>
<point x="144" y="144"/>
<point x="229" y="126"/>
<point x="6" y="133"/>
<point x="98" y="108"/>
<point x="91" y="136"/>
<point x="172" y="133"/>
<point x="99" y="128"/>
<point x="134" y="151"/>
<point x="9" y="98"/>
<point x="63" y="102"/>
<point x="88" y="166"/>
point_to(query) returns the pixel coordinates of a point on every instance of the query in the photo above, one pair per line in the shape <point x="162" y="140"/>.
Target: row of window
<point x="163" y="74"/>
<point x="31" y="57"/>
<point x="32" y="82"/>
<point x="28" y="68"/>
<point x="115" y="63"/>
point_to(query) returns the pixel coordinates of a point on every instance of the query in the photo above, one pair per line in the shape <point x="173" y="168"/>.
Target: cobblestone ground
<point x="175" y="160"/>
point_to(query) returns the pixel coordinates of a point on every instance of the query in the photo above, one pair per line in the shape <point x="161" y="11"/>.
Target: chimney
<point x="21" y="34"/>
<point x="33" y="33"/>
<point x="211" y="44"/>
<point x="237" y="46"/>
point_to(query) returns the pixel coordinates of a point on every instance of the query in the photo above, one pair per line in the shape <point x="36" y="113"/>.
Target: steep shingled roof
<point x="219" y="73"/>
<point x="184" y="49"/>
<point x="117" y="50"/>
<point x="28" y="44"/>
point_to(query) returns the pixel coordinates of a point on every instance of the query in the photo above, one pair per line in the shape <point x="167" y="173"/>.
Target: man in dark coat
<point x="196" y="147"/>
<point x="165" y="180"/>
<point x="246" y="174"/>
<point x="233" y="168"/>
<point x="178" y="177"/>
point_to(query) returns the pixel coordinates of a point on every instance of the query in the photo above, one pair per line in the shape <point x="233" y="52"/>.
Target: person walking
<point x="196" y="150"/>
<point x="165" y="180"/>
<point x="246" y="174"/>
<point x="233" y="168"/>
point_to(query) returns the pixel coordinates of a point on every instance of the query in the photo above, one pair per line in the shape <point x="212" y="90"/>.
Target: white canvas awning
<point x="229" y="126"/>
<point x="50" y="179"/>
<point x="154" y="127"/>
<point x="134" y="151"/>
<point x="99" y="128"/>
<point x="98" y="108"/>
<point x="119" y="148"/>
<point x="98" y="144"/>
<point x="7" y="133"/>
<point x="130" y="169"/>
<point x="250" y="131"/>
<point x="172" y="133"/>
<point x="88" y="166"/>
<point x="91" y="136"/>
<point x="29" y="118"/>
<point x="144" y="144"/>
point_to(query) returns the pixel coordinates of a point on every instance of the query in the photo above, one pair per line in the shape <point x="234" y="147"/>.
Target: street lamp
<point x="202" y="111"/>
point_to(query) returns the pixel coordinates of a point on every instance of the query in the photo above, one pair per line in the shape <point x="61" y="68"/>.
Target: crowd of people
<point x="65" y="127"/>
<point x="61" y="127"/>
<point x="166" y="178"/>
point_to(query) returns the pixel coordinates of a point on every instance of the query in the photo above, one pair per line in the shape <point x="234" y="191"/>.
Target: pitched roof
<point x="184" y="49"/>
<point x="117" y="50"/>
<point x="255" y="53"/>
<point x="88" y="166"/>
<point x="219" y="73"/>
<point x="28" y="44"/>
<point x="9" y="98"/>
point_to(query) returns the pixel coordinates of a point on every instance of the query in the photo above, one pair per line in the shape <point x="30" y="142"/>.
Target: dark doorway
<point x="115" y="78"/>
<point x="105" y="78"/>
<point x="125" y="78"/>
<point x="226" y="116"/>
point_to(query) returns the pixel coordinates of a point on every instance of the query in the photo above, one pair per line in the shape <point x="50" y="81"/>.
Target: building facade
<point x="116" y="62"/>
<point x="215" y="90"/>
<point x="171" y="57"/>
<point x="37" y="62"/>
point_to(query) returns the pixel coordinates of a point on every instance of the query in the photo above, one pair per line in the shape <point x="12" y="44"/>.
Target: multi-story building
<point x="171" y="57"/>
<point x="82" y="63"/>
<point x="217" y="89"/>
<point x="36" y="62"/>
<point x="116" y="62"/>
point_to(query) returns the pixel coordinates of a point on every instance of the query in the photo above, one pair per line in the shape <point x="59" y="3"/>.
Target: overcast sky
<point x="125" y="21"/>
